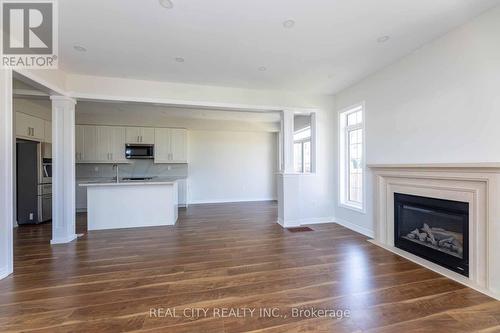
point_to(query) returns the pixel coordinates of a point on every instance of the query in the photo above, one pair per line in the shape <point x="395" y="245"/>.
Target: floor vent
<point x="300" y="229"/>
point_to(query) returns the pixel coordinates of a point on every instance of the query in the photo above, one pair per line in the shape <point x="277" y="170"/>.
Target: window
<point x="352" y="157"/>
<point x="302" y="150"/>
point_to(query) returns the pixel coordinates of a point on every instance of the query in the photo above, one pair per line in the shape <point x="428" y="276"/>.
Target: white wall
<point x="232" y="166"/>
<point x="441" y="104"/>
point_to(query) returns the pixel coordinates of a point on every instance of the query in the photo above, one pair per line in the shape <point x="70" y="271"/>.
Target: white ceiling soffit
<point x="313" y="46"/>
<point x="149" y="110"/>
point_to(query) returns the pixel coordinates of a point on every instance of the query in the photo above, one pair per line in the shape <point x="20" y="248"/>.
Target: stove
<point x="131" y="179"/>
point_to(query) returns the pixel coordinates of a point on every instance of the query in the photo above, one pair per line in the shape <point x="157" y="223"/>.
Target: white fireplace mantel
<point x="478" y="184"/>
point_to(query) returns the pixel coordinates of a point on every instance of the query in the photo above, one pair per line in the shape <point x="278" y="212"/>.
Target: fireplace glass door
<point x="434" y="229"/>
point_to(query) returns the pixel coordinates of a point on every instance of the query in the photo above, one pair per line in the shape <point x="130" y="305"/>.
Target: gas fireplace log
<point x="450" y="240"/>
<point x="430" y="234"/>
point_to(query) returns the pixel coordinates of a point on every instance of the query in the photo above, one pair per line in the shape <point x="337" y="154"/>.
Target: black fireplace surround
<point x="434" y="229"/>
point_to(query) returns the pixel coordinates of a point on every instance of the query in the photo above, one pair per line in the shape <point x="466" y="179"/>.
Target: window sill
<point x="354" y="207"/>
<point x="296" y="173"/>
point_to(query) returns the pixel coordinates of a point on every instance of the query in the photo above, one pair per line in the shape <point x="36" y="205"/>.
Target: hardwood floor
<point x="229" y="256"/>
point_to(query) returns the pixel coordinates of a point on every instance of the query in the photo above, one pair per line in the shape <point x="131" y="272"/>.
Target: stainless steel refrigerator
<point x="34" y="183"/>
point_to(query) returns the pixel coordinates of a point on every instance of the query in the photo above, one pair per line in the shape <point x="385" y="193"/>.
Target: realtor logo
<point x="29" y="34"/>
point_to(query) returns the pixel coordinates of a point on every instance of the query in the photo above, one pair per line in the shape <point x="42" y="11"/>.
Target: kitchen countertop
<point x="91" y="182"/>
<point x="127" y="183"/>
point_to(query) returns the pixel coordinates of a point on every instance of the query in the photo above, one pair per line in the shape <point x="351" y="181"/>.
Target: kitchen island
<point x="116" y="205"/>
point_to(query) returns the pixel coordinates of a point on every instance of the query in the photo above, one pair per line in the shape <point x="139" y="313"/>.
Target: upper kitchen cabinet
<point x="170" y="145"/>
<point x="86" y="143"/>
<point x="117" y="144"/>
<point x="111" y="144"/>
<point x="178" y="141"/>
<point x="100" y="144"/>
<point x="29" y="127"/>
<point x="144" y="135"/>
<point x="48" y="131"/>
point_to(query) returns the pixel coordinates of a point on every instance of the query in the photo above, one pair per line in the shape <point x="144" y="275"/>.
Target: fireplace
<point x="434" y="229"/>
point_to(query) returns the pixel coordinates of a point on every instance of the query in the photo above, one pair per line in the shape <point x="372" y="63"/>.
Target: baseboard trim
<point x="65" y="240"/>
<point x="354" y="227"/>
<point x="200" y="202"/>
<point x="317" y="220"/>
<point x="305" y="221"/>
<point x="4" y="272"/>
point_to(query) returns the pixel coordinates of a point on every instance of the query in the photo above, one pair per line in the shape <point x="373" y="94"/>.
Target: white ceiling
<point x="224" y="42"/>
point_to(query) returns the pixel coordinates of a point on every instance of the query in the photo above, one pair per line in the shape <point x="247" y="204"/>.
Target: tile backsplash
<point x="137" y="168"/>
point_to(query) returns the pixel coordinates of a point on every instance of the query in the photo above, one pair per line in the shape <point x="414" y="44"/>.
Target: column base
<point x="63" y="240"/>
<point x="288" y="223"/>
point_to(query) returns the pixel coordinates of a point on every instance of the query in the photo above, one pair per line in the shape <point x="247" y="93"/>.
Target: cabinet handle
<point x="138" y="139"/>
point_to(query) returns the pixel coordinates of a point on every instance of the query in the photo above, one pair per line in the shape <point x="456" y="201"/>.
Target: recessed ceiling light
<point x="179" y="59"/>
<point x="167" y="4"/>
<point x="383" y="39"/>
<point x="79" y="48"/>
<point x="262" y="69"/>
<point x="289" y="24"/>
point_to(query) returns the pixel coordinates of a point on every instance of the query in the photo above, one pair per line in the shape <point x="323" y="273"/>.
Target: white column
<point x="287" y="118"/>
<point x="288" y="181"/>
<point x="6" y="173"/>
<point x="63" y="170"/>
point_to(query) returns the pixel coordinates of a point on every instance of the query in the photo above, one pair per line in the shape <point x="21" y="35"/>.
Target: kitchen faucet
<point x="115" y="166"/>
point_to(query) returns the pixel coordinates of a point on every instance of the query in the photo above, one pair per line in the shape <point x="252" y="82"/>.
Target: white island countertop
<point x="110" y="182"/>
<point x="127" y="183"/>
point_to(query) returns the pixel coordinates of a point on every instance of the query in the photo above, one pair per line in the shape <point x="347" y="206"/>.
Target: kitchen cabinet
<point x="117" y="138"/>
<point x="47" y="131"/>
<point x="81" y="197"/>
<point x="106" y="144"/>
<point x="100" y="144"/>
<point x="29" y="127"/>
<point x="103" y="144"/>
<point x="170" y="145"/>
<point x="178" y="141"/>
<point x="140" y="135"/>
<point x="86" y="143"/>
<point x="79" y="142"/>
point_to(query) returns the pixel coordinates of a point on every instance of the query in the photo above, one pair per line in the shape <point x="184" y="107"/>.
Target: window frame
<point x="302" y="142"/>
<point x="344" y="154"/>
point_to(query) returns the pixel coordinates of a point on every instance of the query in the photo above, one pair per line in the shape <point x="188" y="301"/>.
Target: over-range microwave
<point x="139" y="151"/>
